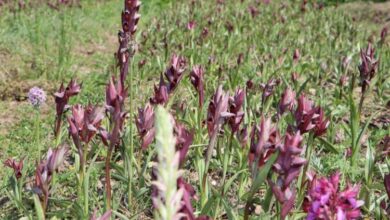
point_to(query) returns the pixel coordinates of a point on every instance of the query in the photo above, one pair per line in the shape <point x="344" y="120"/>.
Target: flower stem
<point x="308" y="152"/>
<point x="213" y="141"/>
<point x="108" y="178"/>
<point x="37" y="132"/>
<point x="361" y="102"/>
<point x="130" y="153"/>
<point x="83" y="183"/>
<point x="227" y="156"/>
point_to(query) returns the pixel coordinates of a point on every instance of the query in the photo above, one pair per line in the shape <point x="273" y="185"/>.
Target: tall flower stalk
<point x="84" y="124"/>
<point x="37" y="97"/>
<point x="126" y="51"/>
<point x="115" y="98"/>
<point x="61" y="98"/>
<point x="288" y="167"/>
<point x="197" y="81"/>
<point x="262" y="154"/>
<point x="368" y="69"/>
<point x="216" y="116"/>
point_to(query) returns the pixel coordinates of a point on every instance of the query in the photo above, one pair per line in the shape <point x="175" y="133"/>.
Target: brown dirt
<point x="376" y="14"/>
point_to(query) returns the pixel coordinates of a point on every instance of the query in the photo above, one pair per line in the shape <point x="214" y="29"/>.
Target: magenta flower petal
<point x="16" y="166"/>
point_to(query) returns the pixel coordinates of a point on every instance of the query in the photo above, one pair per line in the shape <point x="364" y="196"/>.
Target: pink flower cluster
<point x="325" y="200"/>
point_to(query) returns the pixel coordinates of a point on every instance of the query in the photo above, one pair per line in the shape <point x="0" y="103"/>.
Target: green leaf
<point x="229" y="211"/>
<point x="328" y="146"/>
<point x="267" y="200"/>
<point x="121" y="216"/>
<point x="38" y="208"/>
<point x="303" y="85"/>
<point x="86" y="182"/>
<point x="263" y="174"/>
<point x="299" y="215"/>
<point x="209" y="205"/>
<point x="230" y="181"/>
<point x="354" y="121"/>
<point x="364" y="128"/>
<point x="369" y="163"/>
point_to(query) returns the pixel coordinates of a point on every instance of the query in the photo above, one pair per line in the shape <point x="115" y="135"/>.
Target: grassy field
<point x="258" y="47"/>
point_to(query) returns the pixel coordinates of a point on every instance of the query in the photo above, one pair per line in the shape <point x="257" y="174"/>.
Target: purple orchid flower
<point x="62" y="97"/>
<point x="184" y="139"/>
<point x="287" y="166"/>
<point x="321" y="123"/>
<point x="254" y="11"/>
<point x="383" y="35"/>
<point x="174" y="73"/>
<point x="387" y="184"/>
<point x="191" y="25"/>
<point x="44" y="173"/>
<point x="287" y="102"/>
<point x="130" y="18"/>
<point x="325" y="200"/>
<point x="310" y="118"/>
<point x="197" y="81"/>
<point x="145" y="125"/>
<point x="243" y="136"/>
<point x="268" y="89"/>
<point x="16" y="166"/>
<point x="161" y="94"/>
<point x="64" y="93"/>
<point x="217" y="111"/>
<point x="85" y="122"/>
<point x="296" y="56"/>
<point x="55" y="158"/>
<point x="264" y="141"/>
<point x="368" y="66"/>
<point x="235" y="108"/>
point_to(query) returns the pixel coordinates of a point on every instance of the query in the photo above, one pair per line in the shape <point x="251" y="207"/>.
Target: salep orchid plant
<point x="173" y="74"/>
<point x="84" y="124"/>
<point x="368" y="69"/>
<point x="197" y="80"/>
<point x="325" y="200"/>
<point x="115" y="98"/>
<point x="44" y="175"/>
<point x="116" y="95"/>
<point x="216" y="115"/>
<point x="61" y="98"/>
<point x="287" y="102"/>
<point x="145" y="125"/>
<point x="264" y="141"/>
<point x="16" y="181"/>
<point x="287" y="167"/>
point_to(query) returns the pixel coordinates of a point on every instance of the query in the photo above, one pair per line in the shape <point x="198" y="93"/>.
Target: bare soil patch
<point x="376" y="14"/>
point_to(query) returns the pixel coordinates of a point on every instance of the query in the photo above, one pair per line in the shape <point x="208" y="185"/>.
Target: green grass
<point x="42" y="47"/>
